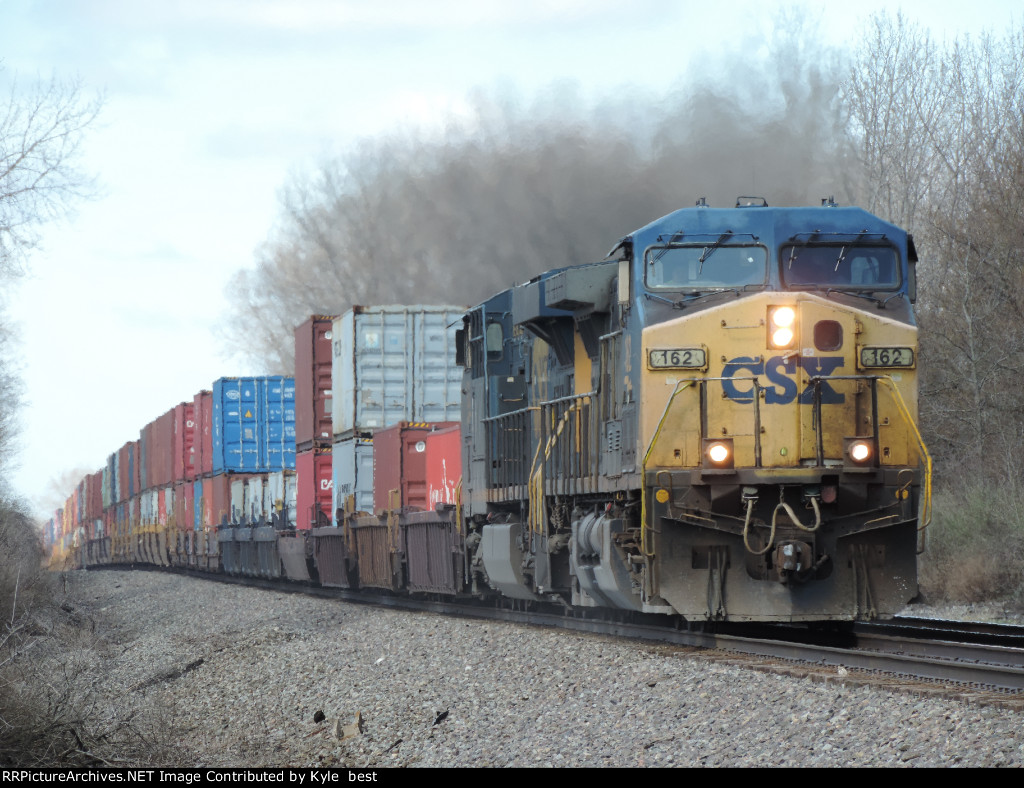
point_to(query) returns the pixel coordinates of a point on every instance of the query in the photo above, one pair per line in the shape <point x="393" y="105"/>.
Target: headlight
<point x="718" y="453"/>
<point x="781" y="326"/>
<point x="860" y="451"/>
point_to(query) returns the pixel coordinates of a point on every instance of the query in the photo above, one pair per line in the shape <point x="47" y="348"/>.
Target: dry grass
<point x="976" y="544"/>
<point x="54" y="708"/>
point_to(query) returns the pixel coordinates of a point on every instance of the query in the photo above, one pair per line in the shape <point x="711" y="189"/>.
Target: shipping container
<point x="352" y="468"/>
<point x="253" y="424"/>
<point x="394" y="363"/>
<point x="400" y="466"/>
<point x="313" y="392"/>
<point x="157" y="451"/>
<point x="444" y="466"/>
<point x="202" y="411"/>
<point x="183" y="457"/>
<point x="315" y="489"/>
<point x="277" y="394"/>
<point x="281" y="499"/>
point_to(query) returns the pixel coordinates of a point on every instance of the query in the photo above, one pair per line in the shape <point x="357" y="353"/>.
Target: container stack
<point x="391" y="364"/>
<point x="313" y="430"/>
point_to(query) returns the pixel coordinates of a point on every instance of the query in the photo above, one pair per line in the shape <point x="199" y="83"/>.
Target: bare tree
<point x="940" y="138"/>
<point x="518" y="187"/>
<point x="41" y="129"/>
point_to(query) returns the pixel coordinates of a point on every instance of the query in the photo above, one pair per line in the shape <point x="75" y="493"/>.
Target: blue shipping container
<point x="253" y="424"/>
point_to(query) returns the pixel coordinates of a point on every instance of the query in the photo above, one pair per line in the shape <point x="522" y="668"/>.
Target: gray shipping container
<point x="352" y="461"/>
<point x="394" y="363"/>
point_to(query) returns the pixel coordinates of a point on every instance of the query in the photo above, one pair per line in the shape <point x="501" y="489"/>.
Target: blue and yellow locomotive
<point x="716" y="421"/>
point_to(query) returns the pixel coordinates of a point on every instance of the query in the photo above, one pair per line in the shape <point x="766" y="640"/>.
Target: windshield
<point x="841" y="266"/>
<point x="705" y="266"/>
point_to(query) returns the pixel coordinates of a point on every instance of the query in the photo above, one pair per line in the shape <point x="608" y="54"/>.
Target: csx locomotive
<point x="716" y="421"/>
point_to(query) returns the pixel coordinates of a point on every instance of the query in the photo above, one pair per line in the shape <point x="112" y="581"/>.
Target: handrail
<point x="926" y="501"/>
<point x="535" y="489"/>
<point x="643" y="466"/>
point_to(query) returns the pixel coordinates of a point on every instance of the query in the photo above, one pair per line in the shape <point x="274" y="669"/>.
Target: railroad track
<point x="967" y="660"/>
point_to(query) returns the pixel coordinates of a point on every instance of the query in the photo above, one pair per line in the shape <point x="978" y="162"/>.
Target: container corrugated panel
<point x="253" y="426"/>
<point x="198" y="518"/>
<point x="278" y="398"/>
<point x="313" y="392"/>
<point x="280" y="499"/>
<point x="183" y="424"/>
<point x="235" y="429"/>
<point x="161" y="451"/>
<point x="394" y="363"/>
<point x="145" y="438"/>
<point x="444" y="465"/>
<point x="113" y="494"/>
<point x="315" y="486"/>
<point x="212" y="497"/>
<point x="352" y="468"/>
<point x="400" y="463"/>
<point x="106" y="486"/>
<point x="202" y="410"/>
<point x="433" y="550"/>
<point x="183" y="506"/>
<point x="330" y="556"/>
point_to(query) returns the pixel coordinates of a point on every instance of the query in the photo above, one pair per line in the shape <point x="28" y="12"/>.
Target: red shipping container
<point x="182" y="507"/>
<point x="202" y="412"/>
<point x="94" y="496"/>
<point x="159" y="441"/>
<point x="400" y="463"/>
<point x="216" y="501"/>
<point x="314" y="484"/>
<point x="127" y="471"/>
<point x="444" y="465"/>
<point x="313" y="390"/>
<point x="184" y="439"/>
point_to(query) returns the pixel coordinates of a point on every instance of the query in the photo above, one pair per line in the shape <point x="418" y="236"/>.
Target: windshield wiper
<point x="689" y="298"/>
<point x="710" y="250"/>
<point x="880" y="302"/>
<point x="842" y="254"/>
<point x="678" y="234"/>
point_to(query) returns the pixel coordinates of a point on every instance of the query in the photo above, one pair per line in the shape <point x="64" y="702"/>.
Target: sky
<point x="210" y="106"/>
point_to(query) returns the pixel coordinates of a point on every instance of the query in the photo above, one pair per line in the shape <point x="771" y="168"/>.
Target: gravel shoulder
<point x="242" y="677"/>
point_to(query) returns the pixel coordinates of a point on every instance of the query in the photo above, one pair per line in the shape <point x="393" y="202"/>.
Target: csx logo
<point x="781" y="373"/>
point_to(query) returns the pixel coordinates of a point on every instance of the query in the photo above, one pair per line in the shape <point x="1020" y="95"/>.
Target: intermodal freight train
<point x="718" y="421"/>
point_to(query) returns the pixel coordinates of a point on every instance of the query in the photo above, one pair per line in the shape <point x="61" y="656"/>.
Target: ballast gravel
<point x="251" y="678"/>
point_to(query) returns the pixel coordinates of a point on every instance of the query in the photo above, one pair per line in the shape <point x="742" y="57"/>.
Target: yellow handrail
<point x="643" y="467"/>
<point x="926" y="501"/>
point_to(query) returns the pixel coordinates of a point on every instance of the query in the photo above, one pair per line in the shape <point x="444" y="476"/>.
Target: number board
<point x="678" y="358"/>
<point x="886" y="357"/>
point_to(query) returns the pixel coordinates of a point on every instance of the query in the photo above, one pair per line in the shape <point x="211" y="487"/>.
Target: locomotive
<point x="716" y="422"/>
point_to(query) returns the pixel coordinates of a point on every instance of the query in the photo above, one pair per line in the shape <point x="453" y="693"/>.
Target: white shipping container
<point x="394" y="363"/>
<point x="352" y="468"/>
<point x="280" y="495"/>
